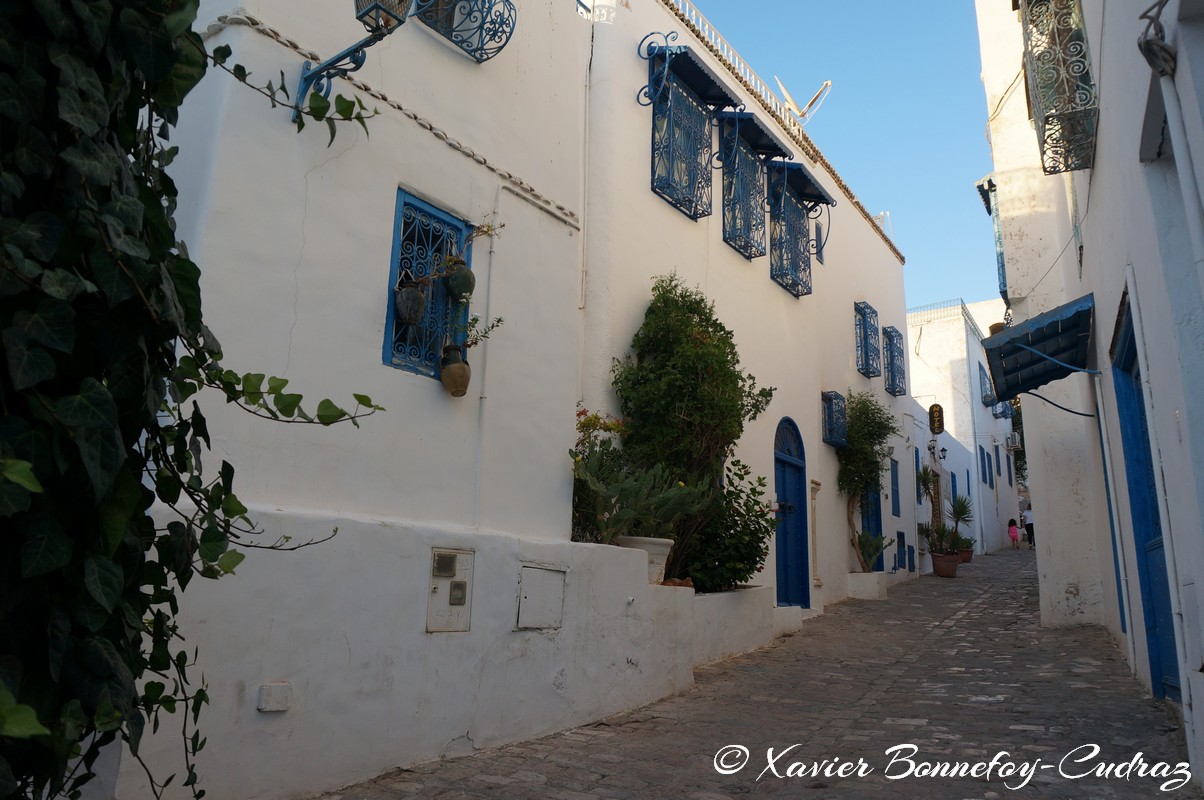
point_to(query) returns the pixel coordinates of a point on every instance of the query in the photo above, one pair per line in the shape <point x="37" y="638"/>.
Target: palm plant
<point x="960" y="512"/>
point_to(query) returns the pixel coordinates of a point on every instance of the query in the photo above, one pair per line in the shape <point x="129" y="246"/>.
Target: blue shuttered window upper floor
<point x="835" y="419"/>
<point x="743" y="189"/>
<point x="896" y="378"/>
<point x="869" y="352"/>
<point x="789" y="236"/>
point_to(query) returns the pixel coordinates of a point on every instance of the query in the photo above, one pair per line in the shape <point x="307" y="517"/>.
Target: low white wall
<point x="344" y="623"/>
<point x="730" y="623"/>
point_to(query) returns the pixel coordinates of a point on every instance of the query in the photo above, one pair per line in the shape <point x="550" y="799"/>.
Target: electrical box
<point x="449" y="604"/>
<point x="540" y="598"/>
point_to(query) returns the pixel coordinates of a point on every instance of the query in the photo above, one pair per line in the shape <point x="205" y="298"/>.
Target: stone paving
<point x="951" y="672"/>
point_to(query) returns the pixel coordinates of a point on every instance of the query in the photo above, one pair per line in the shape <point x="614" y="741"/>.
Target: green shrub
<point x="734" y="542"/>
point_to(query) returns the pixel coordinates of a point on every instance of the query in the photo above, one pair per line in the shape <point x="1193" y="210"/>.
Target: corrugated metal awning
<point x="694" y="72"/>
<point x="1046" y="348"/>
<point x="760" y="138"/>
<point x="800" y="179"/>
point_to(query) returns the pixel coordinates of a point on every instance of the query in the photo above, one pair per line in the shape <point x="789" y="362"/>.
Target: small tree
<point x="871" y="425"/>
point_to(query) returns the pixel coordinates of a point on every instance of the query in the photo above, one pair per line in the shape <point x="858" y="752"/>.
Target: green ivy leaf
<point x="213" y="544"/>
<point x="318" y="106"/>
<point x="344" y="107"/>
<point x="287" y="404"/>
<point x="51" y="325"/>
<point x="329" y="413"/>
<point x="46" y="550"/>
<point x="221" y="54"/>
<point x="18" y="721"/>
<point x="21" y="97"/>
<point x="8" y="783"/>
<point x="20" y="473"/>
<point x="118" y="509"/>
<point x="147" y="44"/>
<point x="229" y="561"/>
<point x="82" y="102"/>
<point x="186" y="277"/>
<point x="92" y="418"/>
<point x="27" y="365"/>
<point x="96" y="165"/>
<point x="231" y="506"/>
<point x="33" y="154"/>
<point x="186" y="72"/>
<point x="104" y="581"/>
<point x="13" y="499"/>
<point x="94" y="18"/>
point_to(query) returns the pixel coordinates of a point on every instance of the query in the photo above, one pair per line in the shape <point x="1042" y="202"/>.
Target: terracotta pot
<point x="456" y="373"/>
<point x="460" y="281"/>
<point x="409" y="301"/>
<point x="944" y="565"/>
<point x="967" y="554"/>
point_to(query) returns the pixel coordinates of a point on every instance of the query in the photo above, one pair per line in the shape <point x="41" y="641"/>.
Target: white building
<point x="452" y="611"/>
<point x="948" y="368"/>
<point x="1101" y="246"/>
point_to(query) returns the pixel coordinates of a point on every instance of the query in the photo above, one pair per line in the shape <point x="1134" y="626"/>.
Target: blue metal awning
<point x="694" y="72"/>
<point x="984" y="191"/>
<point x="802" y="182"/>
<point x="1045" y="348"/>
<point x="760" y="138"/>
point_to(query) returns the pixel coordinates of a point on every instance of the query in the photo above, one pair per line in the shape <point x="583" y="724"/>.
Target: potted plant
<point x="455" y="372"/>
<point x="943" y="547"/>
<point x="409" y="296"/>
<point x="960" y="512"/>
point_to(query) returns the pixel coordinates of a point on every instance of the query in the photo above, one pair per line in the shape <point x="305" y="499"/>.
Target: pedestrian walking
<point x="1027" y="516"/>
<point x="1014" y="534"/>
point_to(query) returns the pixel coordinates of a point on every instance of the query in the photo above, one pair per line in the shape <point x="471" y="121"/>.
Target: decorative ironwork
<point x="481" y="28"/>
<point x="1060" y="86"/>
<point x="985" y="388"/>
<point x="787" y="441"/>
<point x="789" y="237"/>
<point x="869" y="352"/>
<point x="426" y="237"/>
<point x="1002" y="410"/>
<point x="896" y="379"/>
<point x="681" y="132"/>
<point x="377" y="14"/>
<point x="743" y="193"/>
<point x="991" y="196"/>
<point x="836" y="422"/>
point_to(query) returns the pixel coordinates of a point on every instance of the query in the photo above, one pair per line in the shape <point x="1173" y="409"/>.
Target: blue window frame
<point x="982" y="463"/>
<point x="953" y="484"/>
<point x="1009" y="469"/>
<point x="481" y="28"/>
<point x="681" y="148"/>
<point x="919" y="492"/>
<point x="998" y="462"/>
<point x="869" y="353"/>
<point x="820" y="241"/>
<point x="743" y="188"/>
<point x="896" y="380"/>
<point x="894" y="487"/>
<point x="423" y="238"/>
<point x="836" y="425"/>
<point x="789" y="236"/>
<point x="968" y="484"/>
<point x="900" y="551"/>
<point x="984" y="385"/>
<point x="990" y="473"/>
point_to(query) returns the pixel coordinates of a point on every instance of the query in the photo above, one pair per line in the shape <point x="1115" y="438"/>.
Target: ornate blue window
<point x="869" y="352"/>
<point x="1002" y="410"/>
<point x="481" y="28"/>
<point x="984" y="385"/>
<point x="795" y="198"/>
<point x="684" y="95"/>
<point x="894" y="487"/>
<point x="896" y="378"/>
<point x="424" y="238"/>
<point x="836" y="425"/>
<point x="744" y="145"/>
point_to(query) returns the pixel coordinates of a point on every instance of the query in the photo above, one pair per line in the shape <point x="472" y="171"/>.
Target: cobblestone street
<point x="957" y="668"/>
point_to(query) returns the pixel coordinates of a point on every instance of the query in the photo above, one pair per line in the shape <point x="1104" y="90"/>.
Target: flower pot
<point x="944" y="565"/>
<point x="455" y="373"/>
<point x="460" y="281"/>
<point x="967" y="554"/>
<point x="657" y="550"/>
<point x="409" y="301"/>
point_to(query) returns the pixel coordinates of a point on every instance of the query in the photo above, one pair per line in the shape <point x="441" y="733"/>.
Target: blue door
<point x="1147" y="523"/>
<point x="871" y="518"/>
<point x="790" y="483"/>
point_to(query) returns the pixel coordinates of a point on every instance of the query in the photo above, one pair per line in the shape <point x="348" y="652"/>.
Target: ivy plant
<point x="106" y="510"/>
<point x="871" y="425"/>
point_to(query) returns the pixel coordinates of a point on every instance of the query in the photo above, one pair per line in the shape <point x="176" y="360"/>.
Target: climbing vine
<point x="106" y="510"/>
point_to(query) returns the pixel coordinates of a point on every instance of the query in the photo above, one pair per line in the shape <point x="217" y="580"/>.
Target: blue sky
<point x="904" y="124"/>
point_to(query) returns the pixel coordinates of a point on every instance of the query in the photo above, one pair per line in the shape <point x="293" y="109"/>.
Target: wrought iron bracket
<point x="656" y="80"/>
<point x="319" y="78"/>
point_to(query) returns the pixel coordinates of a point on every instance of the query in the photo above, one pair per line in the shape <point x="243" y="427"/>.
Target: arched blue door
<point x="790" y="483"/>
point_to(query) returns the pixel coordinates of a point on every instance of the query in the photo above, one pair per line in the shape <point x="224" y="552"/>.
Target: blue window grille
<point x="869" y="354"/>
<point x="836" y="426"/>
<point x="919" y="492"/>
<point x="998" y="462"/>
<point x="1009" y="469"/>
<point x="953" y="484"/>
<point x="896" y="379"/>
<point x="820" y="241"/>
<point x="743" y="190"/>
<point x="789" y="236"/>
<point x="894" y="487"/>
<point x="681" y="149"/>
<point x="423" y="238"/>
<point x="984" y="385"/>
<point x="1002" y="410"/>
<point x="481" y="28"/>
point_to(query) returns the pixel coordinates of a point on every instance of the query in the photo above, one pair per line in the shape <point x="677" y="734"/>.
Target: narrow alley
<point x="943" y="672"/>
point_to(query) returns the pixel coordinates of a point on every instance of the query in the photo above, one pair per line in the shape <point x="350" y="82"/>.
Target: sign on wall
<point x="936" y="419"/>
